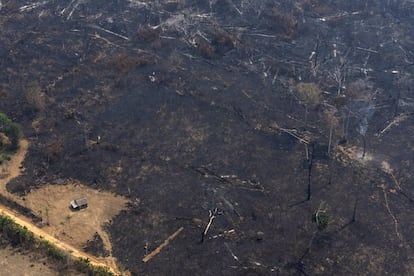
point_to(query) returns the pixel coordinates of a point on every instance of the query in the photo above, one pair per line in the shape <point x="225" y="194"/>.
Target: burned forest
<point x="247" y="137"/>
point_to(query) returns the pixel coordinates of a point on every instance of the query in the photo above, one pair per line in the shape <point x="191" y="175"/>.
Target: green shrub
<point x="12" y="131"/>
<point x="84" y="265"/>
<point x="15" y="233"/>
<point x="4" y="157"/>
<point x="322" y="220"/>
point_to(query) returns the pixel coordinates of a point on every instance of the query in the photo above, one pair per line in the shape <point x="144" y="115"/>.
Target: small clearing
<point x="52" y="204"/>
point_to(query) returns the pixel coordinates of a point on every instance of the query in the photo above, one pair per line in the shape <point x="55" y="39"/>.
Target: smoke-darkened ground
<point x="229" y="104"/>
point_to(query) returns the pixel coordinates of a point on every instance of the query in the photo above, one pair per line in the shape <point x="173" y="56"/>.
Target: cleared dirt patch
<point x="51" y="202"/>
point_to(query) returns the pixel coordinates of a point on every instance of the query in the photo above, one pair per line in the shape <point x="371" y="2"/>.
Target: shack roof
<point x="81" y="201"/>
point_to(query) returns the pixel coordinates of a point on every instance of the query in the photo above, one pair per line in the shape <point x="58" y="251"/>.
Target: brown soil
<point x="13" y="262"/>
<point x="75" y="227"/>
<point x="67" y="229"/>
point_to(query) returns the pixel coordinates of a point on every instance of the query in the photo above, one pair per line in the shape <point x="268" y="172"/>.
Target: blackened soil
<point x="189" y="106"/>
<point x="96" y="247"/>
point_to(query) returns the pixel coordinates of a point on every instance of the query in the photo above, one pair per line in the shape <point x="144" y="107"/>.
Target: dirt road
<point x="13" y="171"/>
<point x="61" y="245"/>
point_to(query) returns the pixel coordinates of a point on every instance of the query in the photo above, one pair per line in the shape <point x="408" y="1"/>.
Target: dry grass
<point x="13" y="262"/>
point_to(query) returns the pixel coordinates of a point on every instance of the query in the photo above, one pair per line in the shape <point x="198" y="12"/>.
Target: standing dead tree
<point x="309" y="95"/>
<point x="354" y="212"/>
<point x="310" y="156"/>
<point x="314" y="59"/>
<point x="333" y="123"/>
<point x="339" y="75"/>
<point x="322" y="218"/>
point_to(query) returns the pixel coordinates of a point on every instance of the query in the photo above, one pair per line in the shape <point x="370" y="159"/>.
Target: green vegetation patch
<point x="15" y="233"/>
<point x="10" y="134"/>
<point x="19" y="235"/>
<point x="84" y="265"/>
<point x="4" y="157"/>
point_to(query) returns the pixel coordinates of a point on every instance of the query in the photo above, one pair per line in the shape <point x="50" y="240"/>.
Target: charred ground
<point x="199" y="106"/>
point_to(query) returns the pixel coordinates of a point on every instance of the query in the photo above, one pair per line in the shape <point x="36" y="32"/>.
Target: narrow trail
<point x="13" y="167"/>
<point x="14" y="170"/>
<point x="108" y="246"/>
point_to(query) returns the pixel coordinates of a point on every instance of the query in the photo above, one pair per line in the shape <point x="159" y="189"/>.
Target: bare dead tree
<point x="322" y="218"/>
<point x="333" y="123"/>
<point x="339" y="74"/>
<point x="310" y="156"/>
<point x="354" y="211"/>
<point x="313" y="58"/>
<point x="212" y="215"/>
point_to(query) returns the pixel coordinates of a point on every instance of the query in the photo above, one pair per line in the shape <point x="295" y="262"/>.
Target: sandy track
<point x="61" y="245"/>
<point x="13" y="166"/>
<point x="14" y="171"/>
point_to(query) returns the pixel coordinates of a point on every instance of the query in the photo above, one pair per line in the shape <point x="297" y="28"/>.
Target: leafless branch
<point x="212" y="215"/>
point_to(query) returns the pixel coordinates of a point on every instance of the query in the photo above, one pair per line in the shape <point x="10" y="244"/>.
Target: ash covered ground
<point x="292" y="119"/>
